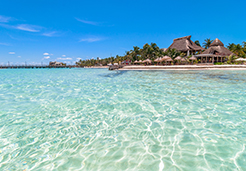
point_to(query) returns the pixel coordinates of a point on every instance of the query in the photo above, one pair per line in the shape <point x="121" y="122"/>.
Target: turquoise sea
<point x="95" y="119"/>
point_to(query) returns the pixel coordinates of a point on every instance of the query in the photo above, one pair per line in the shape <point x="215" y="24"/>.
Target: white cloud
<point x="91" y="39"/>
<point x="4" y="19"/>
<point x="28" y="27"/>
<point x="78" y="58"/>
<point x="87" y="22"/>
<point x="11" y="53"/>
<point x="64" y="59"/>
<point x="47" y="57"/>
<point x="19" y="56"/>
<point x="50" y="34"/>
<point x="63" y="55"/>
<point x="46" y="53"/>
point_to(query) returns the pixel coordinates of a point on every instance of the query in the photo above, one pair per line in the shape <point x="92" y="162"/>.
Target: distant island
<point x="182" y="51"/>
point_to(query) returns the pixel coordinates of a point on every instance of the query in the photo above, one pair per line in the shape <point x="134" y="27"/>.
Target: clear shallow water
<point x="95" y="119"/>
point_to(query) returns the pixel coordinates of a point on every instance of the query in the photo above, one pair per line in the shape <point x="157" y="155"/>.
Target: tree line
<point x="152" y="51"/>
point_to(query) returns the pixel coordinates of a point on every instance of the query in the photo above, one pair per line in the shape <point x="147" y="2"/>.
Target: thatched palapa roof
<point x="183" y="60"/>
<point x="217" y="48"/>
<point x="147" y="61"/>
<point x="216" y="42"/>
<point x="193" y="58"/>
<point x="178" y="58"/>
<point x="157" y="60"/>
<point x="184" y="44"/>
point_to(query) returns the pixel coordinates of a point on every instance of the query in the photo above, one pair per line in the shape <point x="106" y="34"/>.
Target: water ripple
<point x="95" y="119"/>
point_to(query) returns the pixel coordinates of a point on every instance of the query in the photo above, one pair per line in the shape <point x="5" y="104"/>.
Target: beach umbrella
<point x="193" y="58"/>
<point x="136" y="61"/>
<point x="147" y="61"/>
<point x="177" y="58"/>
<point x="162" y="59"/>
<point x="140" y="61"/>
<point x="240" y="59"/>
<point x="169" y="60"/>
<point x="183" y="60"/>
<point x="157" y="60"/>
<point x="166" y="57"/>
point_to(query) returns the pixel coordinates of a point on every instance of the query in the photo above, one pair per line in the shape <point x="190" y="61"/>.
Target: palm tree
<point x="231" y="46"/>
<point x="238" y="50"/>
<point x="197" y="43"/>
<point x="244" y="47"/>
<point x="135" y="52"/>
<point x="146" y="51"/>
<point x="128" y="55"/>
<point x="231" y="59"/>
<point x="173" y="53"/>
<point x="154" y="46"/>
<point x="207" y="43"/>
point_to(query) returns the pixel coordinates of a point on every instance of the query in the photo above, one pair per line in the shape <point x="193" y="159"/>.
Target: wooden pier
<point x="35" y="66"/>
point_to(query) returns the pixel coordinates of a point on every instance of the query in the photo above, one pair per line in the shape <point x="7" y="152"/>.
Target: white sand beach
<point x="184" y="67"/>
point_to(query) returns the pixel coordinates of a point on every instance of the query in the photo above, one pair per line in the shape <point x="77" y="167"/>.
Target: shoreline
<point x="97" y="67"/>
<point x="186" y="67"/>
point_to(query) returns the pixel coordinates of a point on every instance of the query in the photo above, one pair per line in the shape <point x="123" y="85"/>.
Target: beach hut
<point x="185" y="45"/>
<point x="215" y="53"/>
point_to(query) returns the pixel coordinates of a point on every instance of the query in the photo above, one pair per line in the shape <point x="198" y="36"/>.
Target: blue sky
<point x="49" y="30"/>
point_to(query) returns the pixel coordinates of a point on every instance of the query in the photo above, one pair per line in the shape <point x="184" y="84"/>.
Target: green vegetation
<point x="239" y="50"/>
<point x="197" y="43"/>
<point x="152" y="51"/>
<point x="218" y="63"/>
<point x="207" y="43"/>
